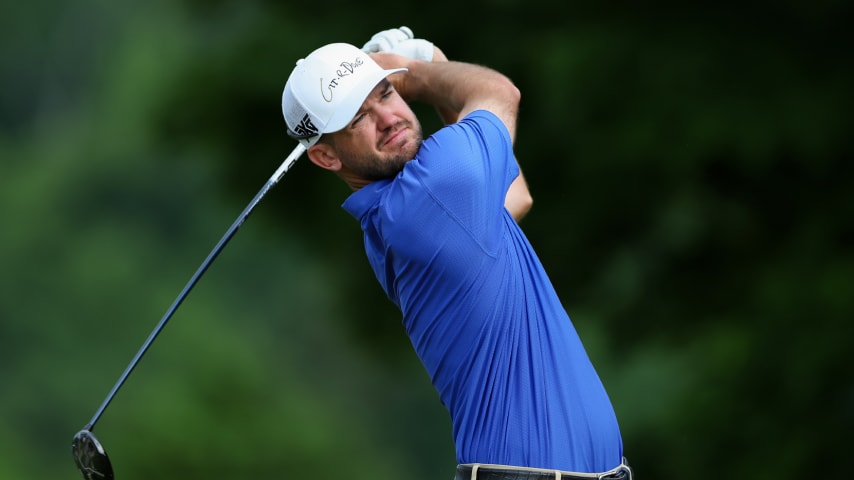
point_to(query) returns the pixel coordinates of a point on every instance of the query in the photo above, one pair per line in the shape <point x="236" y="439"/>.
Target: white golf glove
<point x="400" y="41"/>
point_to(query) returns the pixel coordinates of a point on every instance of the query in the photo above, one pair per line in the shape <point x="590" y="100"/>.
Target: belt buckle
<point x="622" y="469"/>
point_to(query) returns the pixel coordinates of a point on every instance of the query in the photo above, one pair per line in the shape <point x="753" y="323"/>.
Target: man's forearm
<point x="462" y="88"/>
<point x="518" y="200"/>
<point x="455" y="87"/>
<point x="447" y="115"/>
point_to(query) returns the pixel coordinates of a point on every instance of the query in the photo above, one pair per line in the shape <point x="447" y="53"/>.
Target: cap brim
<point x="345" y="113"/>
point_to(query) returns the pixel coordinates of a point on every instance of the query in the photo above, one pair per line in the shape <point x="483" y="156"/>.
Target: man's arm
<point x="456" y="89"/>
<point x="447" y="115"/>
<point x="518" y="200"/>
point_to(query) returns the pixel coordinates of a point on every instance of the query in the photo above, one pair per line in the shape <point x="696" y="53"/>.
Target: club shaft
<point x="274" y="179"/>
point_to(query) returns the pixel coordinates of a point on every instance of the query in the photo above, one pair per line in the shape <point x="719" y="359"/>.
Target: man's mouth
<point x="396" y="136"/>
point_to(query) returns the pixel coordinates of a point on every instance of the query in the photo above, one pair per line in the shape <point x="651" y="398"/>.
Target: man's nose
<point x="385" y="118"/>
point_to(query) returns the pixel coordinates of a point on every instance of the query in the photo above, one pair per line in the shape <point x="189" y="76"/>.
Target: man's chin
<point x="410" y="148"/>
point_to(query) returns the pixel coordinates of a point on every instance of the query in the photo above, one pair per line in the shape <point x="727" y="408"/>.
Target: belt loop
<point x="557" y="474"/>
<point x="474" y="471"/>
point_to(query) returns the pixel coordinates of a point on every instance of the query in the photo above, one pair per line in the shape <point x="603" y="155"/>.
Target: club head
<point x="90" y="457"/>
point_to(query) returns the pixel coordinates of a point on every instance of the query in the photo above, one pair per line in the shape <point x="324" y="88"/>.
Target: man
<point x="439" y="221"/>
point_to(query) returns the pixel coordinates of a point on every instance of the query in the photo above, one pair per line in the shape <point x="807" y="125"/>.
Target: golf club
<point x="88" y="453"/>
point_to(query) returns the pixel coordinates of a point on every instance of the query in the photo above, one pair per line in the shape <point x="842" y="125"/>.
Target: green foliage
<point x="693" y="205"/>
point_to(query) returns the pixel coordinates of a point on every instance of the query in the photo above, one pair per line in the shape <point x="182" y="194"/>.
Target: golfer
<point x="439" y="217"/>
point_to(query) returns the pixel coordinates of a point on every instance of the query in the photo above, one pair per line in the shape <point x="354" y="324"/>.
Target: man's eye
<point x="358" y="119"/>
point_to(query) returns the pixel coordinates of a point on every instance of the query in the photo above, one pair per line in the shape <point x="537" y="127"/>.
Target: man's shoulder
<point x="476" y="123"/>
<point x="481" y="115"/>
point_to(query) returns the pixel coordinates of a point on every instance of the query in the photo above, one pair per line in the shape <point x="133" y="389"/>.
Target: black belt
<point x="503" y="472"/>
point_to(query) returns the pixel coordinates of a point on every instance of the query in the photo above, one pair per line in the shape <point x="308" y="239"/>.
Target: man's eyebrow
<point x="384" y="85"/>
<point x="381" y="88"/>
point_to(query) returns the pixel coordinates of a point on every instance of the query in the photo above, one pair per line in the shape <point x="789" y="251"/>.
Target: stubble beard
<point x="372" y="167"/>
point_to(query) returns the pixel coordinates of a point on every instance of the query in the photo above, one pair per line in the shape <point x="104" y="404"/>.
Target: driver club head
<point x="90" y="457"/>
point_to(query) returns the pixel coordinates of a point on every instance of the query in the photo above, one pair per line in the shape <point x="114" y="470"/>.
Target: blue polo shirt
<point x="480" y="310"/>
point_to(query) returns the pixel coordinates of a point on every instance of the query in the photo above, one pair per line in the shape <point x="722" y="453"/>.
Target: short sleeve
<point x="467" y="167"/>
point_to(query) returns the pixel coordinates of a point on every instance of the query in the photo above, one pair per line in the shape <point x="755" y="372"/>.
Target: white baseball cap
<point x="327" y="88"/>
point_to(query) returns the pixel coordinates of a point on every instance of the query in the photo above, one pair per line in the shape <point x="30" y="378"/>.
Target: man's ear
<point x="324" y="156"/>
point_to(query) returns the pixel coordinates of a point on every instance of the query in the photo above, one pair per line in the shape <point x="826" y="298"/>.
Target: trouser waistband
<point x="483" y="471"/>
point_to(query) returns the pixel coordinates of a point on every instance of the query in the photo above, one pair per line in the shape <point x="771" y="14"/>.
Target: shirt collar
<point x="361" y="201"/>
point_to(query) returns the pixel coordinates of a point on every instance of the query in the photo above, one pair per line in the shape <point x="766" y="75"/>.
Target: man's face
<point x="381" y="138"/>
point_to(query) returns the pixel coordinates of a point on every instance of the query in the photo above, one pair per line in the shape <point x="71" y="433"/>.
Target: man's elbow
<point x="522" y="205"/>
<point x="519" y="203"/>
<point x="518" y="200"/>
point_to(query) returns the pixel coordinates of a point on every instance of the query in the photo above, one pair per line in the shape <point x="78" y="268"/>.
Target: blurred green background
<point x="691" y="168"/>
